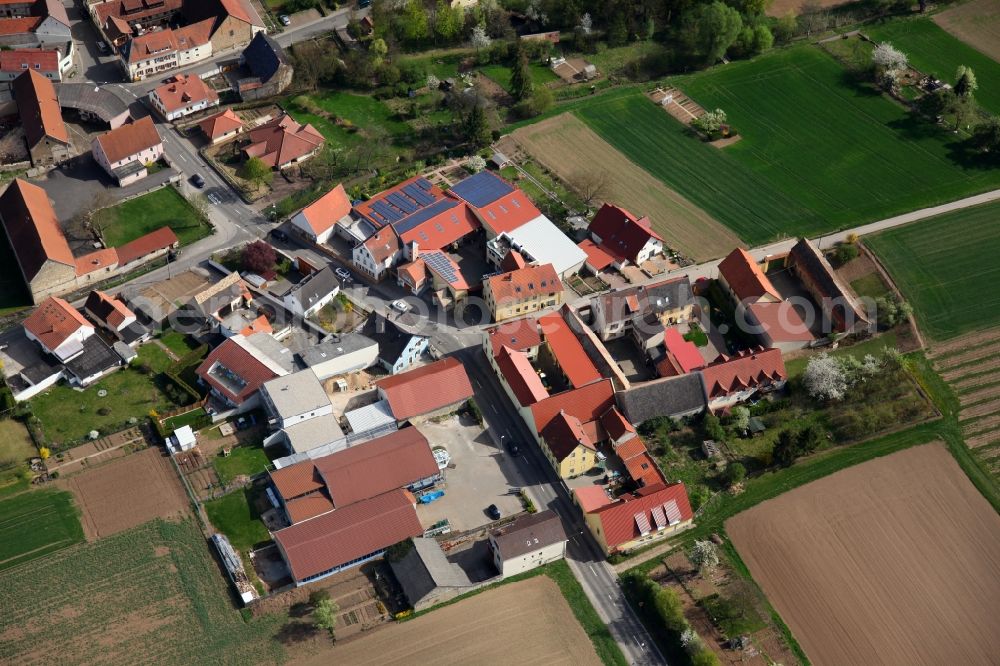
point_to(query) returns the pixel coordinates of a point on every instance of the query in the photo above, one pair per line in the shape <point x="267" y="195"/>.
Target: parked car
<point x="493" y="512"/>
<point x="364" y="3"/>
<point x="278" y="234"/>
<point x="285" y="20"/>
<point x="343" y="274"/>
<point x="103" y="47"/>
<point x="198" y="181"/>
<point x="400" y="305"/>
<point x="513" y="449"/>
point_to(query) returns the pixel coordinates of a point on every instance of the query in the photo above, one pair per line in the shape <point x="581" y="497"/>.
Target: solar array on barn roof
<point x="481" y="189"/>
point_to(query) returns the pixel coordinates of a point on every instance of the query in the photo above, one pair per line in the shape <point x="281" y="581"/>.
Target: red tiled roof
<point x="338" y="537"/>
<point x="297" y="480"/>
<point x="112" y="311"/>
<point x="54" y="321"/>
<point x="32" y="227"/>
<point x="38" y="108"/>
<point x="586" y="404"/>
<point x="365" y="470"/>
<point x="591" y="498"/>
<point x="382" y="244"/>
<point x="283" y="140"/>
<point x="617" y="426"/>
<point x="258" y="325"/>
<point x="129" y="11"/>
<point x="622" y="234"/>
<point x="240" y="362"/>
<point x="17" y="26"/>
<point x="630" y="448"/>
<point x="426" y="389"/>
<point x="448" y="225"/>
<point x="129" y="139"/>
<point x="14" y="60"/>
<point x="747" y="369"/>
<point x="618" y="519"/>
<point x="643" y="470"/>
<point x="526" y="282"/>
<point x="745" y="276"/>
<point x="323" y="213"/>
<point x="508" y="212"/>
<point x="513" y="261"/>
<point x="781" y="321"/>
<point x="416" y="271"/>
<point x="518" y="334"/>
<point x="160" y="239"/>
<point x="564" y="434"/>
<point x="220" y="124"/>
<point x="308" y="506"/>
<point x="682" y="355"/>
<point x="183" y="90"/>
<point x="95" y="261"/>
<point x="435" y="260"/>
<point x="239" y="9"/>
<point x="567" y="350"/>
<point x="151" y="45"/>
<point x="196" y="34"/>
<point x="597" y="258"/>
<point x="520" y="376"/>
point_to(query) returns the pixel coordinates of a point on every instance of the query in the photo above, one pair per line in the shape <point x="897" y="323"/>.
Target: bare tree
<point x="592" y="185"/>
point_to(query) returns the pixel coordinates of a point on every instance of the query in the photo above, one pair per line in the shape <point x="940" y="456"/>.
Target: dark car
<point x="198" y="181"/>
<point x="279" y="234"/>
<point x="493" y="512"/>
<point x="513" y="449"/>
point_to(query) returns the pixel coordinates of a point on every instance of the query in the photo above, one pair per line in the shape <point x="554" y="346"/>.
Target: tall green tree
<point x="256" y="172"/>
<point x="965" y="82"/>
<point x="325" y="615"/>
<point x="521" y="85"/>
<point x="709" y="30"/>
<point x="414" y="21"/>
<point x="476" y="127"/>
<point x="447" y="21"/>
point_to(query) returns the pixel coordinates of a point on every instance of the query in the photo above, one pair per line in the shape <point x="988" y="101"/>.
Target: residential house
<point x="398" y="347"/>
<point x="521" y="335"/>
<point x="317" y="221"/>
<point x="38" y="108"/>
<point x="637" y="519"/>
<point x="116" y="318"/>
<point x="520" y="380"/>
<point x="626" y="238"/>
<point x="54" y="27"/>
<point x="437" y="271"/>
<point x="183" y="95"/>
<point x="674" y="397"/>
<point x="564" y="351"/>
<point x="522" y="291"/>
<point x="313" y="293"/>
<point x="124" y="152"/>
<point x="58" y="328"/>
<point x="426" y="575"/>
<point x="134" y="14"/>
<point x="432" y="390"/>
<point x="300" y="412"/>
<point x="31" y="23"/>
<point x="842" y="311"/>
<point x="193" y="42"/>
<point x="744" y="280"/>
<point x="221" y="127"/>
<point x="378" y="253"/>
<point x="235" y="22"/>
<point x="235" y="370"/>
<point x="730" y="380"/>
<point x="574" y="439"/>
<point x="282" y="142"/>
<point x="149" y="54"/>
<point x="680" y="356"/>
<point x="414" y="277"/>
<point x="15" y="62"/>
<point x="270" y="71"/>
<point x="530" y="541"/>
<point x="340" y="355"/>
<point x="643" y="310"/>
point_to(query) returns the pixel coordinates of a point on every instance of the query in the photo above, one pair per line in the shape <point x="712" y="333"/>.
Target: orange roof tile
<point x="323" y="213"/>
<point x="597" y="257"/>
<point x="196" y="34"/>
<point x="568" y="351"/>
<point x="109" y="310"/>
<point x="745" y="277"/>
<point x="32" y="227"/>
<point x="283" y="140"/>
<point x="129" y="139"/>
<point x="95" y="261"/>
<point x="415" y="271"/>
<point x="586" y="404"/>
<point x="54" y="321"/>
<point x="523" y="283"/>
<point x="220" y="124"/>
<point x="151" y="45"/>
<point x="38" y="108"/>
<point x="426" y="389"/>
<point x="518" y="334"/>
<point x="618" y="519"/>
<point x="160" y="239"/>
<point x="14" y="60"/>
<point x="17" y="26"/>
<point x="520" y="376"/>
<point x="781" y="321"/>
<point x="183" y="90"/>
<point x="752" y="368"/>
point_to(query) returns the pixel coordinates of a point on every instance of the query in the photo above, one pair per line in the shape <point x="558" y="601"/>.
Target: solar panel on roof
<point x="412" y="221"/>
<point x="387" y="211"/>
<point x="440" y="264"/>
<point x="402" y="202"/>
<point x="423" y="183"/>
<point x="418" y="195"/>
<point x="481" y="189"/>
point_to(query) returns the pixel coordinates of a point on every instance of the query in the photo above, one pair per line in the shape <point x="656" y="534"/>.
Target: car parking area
<point x="478" y="475"/>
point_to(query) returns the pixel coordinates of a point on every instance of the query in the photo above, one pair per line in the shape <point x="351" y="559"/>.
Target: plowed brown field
<point x="127" y="492"/>
<point x="976" y="23"/>
<point x="528" y="622"/>
<point x="894" y="561"/>
<point x="567" y="147"/>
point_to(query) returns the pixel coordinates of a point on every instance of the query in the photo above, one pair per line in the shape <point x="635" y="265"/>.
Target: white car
<point x="399" y="306"/>
<point x="285" y="20"/>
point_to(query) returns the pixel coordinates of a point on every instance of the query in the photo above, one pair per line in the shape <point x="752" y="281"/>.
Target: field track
<point x="528" y="622"/>
<point x="882" y="563"/>
<point x="977" y="23"/>
<point x="565" y="146"/>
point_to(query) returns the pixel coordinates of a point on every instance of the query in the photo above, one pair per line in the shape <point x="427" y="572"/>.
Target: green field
<point x="153" y="594"/>
<point x="34" y="524"/>
<point x="16" y="448"/>
<point x="163" y="208"/>
<point x="818" y="152"/>
<point x="945" y="267"/>
<point x="934" y="51"/>
<point x="362" y="111"/>
<point x="540" y="74"/>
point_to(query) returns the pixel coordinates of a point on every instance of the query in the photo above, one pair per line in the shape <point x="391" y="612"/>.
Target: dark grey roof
<point x="106" y="102"/>
<point x="673" y="396"/>
<point x="334" y="346"/>
<point x="425" y="568"/>
<point x="45" y="367"/>
<point x="652" y="299"/>
<point x="133" y="333"/>
<point x="529" y="533"/>
<point x="391" y="339"/>
<point x="97" y="357"/>
<point x="315" y="287"/>
<point x="263" y="56"/>
<point x="809" y="259"/>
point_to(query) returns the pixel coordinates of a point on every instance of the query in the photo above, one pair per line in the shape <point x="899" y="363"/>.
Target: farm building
<point x="435" y="389"/>
<point x="427" y="576"/>
<point x="840" y="306"/>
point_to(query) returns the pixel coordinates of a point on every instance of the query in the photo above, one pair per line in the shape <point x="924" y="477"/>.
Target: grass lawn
<point x="697" y="336"/>
<point x="243" y="460"/>
<point x="363" y="111"/>
<point x="934" y="51"/>
<point x="178" y="343"/>
<point x="875" y="345"/>
<point x="15" y="449"/>
<point x="871" y="286"/>
<point x="36" y="523"/>
<point x="540" y="74"/>
<point x="443" y="66"/>
<point x="233" y="516"/>
<point x="155" y="356"/>
<point x="818" y="152"/>
<point x="943" y="266"/>
<point x="163" y="208"/>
